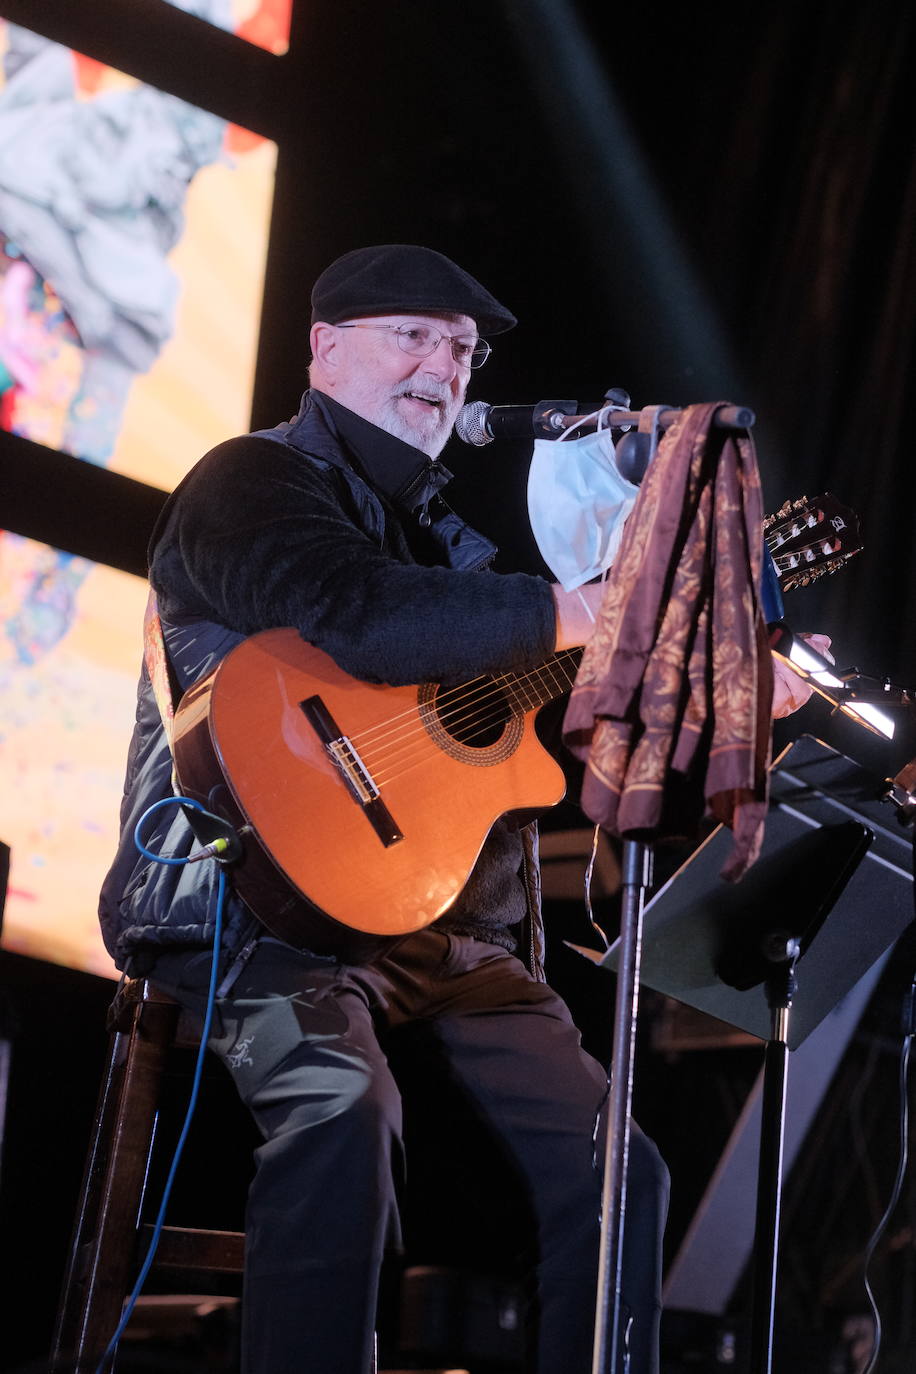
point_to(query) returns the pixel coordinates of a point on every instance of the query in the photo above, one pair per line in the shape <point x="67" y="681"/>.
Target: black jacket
<point x="332" y="526"/>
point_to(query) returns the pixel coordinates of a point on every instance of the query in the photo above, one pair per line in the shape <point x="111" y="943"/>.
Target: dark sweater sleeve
<point x="259" y="536"/>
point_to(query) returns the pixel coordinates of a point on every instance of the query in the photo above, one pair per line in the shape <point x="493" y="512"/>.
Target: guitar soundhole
<point x="475" y="715"/>
<point x="474" y="722"/>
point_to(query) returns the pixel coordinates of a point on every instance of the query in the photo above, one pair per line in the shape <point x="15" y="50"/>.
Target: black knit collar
<point x="406" y="475"/>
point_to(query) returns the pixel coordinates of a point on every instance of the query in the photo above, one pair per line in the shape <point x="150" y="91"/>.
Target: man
<point x="333" y="524"/>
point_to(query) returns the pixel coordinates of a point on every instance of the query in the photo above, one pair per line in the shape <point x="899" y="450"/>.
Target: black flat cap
<point x="394" y="278"/>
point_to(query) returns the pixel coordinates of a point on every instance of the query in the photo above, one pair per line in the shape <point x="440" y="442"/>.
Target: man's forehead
<point x="445" y="323"/>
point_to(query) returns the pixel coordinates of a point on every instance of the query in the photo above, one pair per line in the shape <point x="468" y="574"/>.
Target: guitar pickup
<point x="359" y="782"/>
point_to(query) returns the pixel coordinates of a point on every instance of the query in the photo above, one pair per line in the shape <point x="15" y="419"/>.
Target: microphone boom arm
<point x="478" y="423"/>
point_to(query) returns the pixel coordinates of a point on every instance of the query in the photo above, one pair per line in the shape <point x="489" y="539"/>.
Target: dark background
<point x="714" y="202"/>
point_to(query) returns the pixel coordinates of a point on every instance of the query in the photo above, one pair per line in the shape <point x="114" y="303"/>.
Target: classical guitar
<point x="366" y="804"/>
<point x="362" y="809"/>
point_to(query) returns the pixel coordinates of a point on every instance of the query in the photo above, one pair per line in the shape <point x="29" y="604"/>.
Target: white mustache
<point x="430" y="389"/>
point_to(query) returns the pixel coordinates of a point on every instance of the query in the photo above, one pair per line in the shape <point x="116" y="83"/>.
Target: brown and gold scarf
<point x="671" y="707"/>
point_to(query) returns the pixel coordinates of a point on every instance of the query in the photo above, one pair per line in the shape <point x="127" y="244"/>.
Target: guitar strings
<point x="456" y="699"/>
<point x="410" y="747"/>
<point x="448" y="703"/>
<point x="406" y="748"/>
<point x="821" y="545"/>
<point x="418" y="745"/>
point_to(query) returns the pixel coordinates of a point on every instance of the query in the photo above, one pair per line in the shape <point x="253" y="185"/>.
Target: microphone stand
<point x="781" y="986"/>
<point x="548" y="419"/>
<point x="609" y="1354"/>
<point x="726" y="417"/>
<point x="637" y="879"/>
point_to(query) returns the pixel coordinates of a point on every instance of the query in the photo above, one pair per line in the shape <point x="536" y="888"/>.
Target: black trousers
<point x="303" y="1038"/>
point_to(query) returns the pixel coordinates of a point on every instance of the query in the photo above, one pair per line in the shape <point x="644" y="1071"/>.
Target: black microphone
<point x="478" y="423"/>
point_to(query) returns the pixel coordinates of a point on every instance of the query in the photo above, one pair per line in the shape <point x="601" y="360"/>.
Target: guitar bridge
<point x="355" y="773"/>
<point x="359" y="782"/>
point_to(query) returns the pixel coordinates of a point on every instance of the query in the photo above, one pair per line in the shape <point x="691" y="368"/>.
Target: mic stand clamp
<point x="547" y="417"/>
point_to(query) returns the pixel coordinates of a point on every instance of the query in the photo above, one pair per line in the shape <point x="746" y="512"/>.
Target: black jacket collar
<point x="407" y="476"/>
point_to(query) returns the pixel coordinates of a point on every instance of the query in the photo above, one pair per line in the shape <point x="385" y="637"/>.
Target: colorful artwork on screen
<point x="262" y="22"/>
<point x="70" y="649"/>
<point x="133" y="236"/>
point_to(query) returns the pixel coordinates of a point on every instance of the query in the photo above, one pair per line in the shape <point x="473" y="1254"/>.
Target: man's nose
<point x="441" y="363"/>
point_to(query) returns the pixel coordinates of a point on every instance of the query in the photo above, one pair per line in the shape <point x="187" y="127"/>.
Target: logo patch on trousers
<point x="239" y="1056"/>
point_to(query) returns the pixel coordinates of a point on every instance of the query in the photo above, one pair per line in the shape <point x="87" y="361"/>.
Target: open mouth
<point x="431" y="402"/>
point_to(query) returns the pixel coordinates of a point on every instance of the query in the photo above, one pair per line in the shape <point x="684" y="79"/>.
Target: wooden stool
<point x="109" y="1238"/>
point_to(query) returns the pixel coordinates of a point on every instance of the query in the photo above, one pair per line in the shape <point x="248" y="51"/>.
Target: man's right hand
<point x="576" y="614"/>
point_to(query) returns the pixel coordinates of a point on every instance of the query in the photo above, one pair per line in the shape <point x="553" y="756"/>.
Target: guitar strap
<point x="162" y="678"/>
<point x="167" y="690"/>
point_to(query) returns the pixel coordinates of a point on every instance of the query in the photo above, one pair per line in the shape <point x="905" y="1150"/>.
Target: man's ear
<point x="323" y="342"/>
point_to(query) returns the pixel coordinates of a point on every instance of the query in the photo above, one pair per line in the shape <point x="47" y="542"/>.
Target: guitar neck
<point x="530" y="690"/>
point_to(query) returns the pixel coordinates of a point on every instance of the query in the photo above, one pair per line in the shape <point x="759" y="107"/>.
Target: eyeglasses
<point x="421" y="341"/>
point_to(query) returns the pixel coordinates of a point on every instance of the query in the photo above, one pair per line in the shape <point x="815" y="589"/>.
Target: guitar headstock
<point x="809" y="539"/>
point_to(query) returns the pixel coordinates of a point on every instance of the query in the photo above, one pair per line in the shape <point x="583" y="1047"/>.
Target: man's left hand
<point x="790" y="692"/>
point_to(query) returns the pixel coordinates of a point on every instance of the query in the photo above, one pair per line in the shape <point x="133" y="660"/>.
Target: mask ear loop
<point x="600" y="418"/>
<point x="582" y="420"/>
<point x="604" y="414"/>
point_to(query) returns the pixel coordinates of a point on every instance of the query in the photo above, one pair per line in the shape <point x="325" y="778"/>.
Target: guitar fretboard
<point x="528" y="691"/>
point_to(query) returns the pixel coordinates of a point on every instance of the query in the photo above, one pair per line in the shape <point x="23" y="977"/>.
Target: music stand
<point x="790" y="933"/>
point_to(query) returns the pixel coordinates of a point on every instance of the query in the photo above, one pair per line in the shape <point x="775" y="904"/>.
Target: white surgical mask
<point x="577" y="504"/>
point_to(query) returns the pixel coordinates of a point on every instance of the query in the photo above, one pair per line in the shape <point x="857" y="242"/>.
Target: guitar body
<point x="323" y="867"/>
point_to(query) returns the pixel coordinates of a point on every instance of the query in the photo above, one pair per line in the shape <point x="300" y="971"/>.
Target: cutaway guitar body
<point x="362" y="808"/>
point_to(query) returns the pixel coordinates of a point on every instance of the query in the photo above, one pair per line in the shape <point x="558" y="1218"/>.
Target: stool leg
<point x="102" y="1252"/>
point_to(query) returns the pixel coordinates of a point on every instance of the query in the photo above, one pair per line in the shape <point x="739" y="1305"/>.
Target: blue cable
<point x="112" y="1346"/>
<point x="157" y="806"/>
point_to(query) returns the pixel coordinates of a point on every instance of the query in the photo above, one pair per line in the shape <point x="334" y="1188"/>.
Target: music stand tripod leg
<point x="780" y="988"/>
<point x="609" y="1335"/>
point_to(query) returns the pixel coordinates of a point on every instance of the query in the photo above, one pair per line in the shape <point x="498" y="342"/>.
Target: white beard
<point x="424" y="427"/>
<point x="429" y="439"/>
<point x="429" y="429"/>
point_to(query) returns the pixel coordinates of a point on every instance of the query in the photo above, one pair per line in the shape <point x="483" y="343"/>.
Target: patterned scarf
<point x="671" y="707"/>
